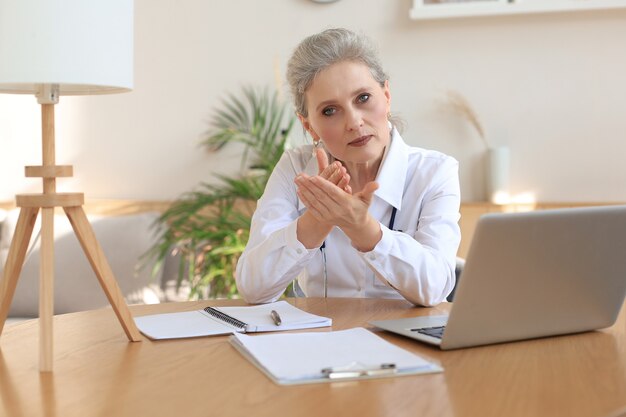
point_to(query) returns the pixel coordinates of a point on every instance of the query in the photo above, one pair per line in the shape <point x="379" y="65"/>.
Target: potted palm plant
<point x="208" y="227"/>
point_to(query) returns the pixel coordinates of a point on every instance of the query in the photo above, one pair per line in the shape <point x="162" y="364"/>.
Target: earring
<point x="317" y="143"/>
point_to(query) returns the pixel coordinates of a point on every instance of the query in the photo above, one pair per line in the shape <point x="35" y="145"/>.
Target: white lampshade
<point x="84" y="46"/>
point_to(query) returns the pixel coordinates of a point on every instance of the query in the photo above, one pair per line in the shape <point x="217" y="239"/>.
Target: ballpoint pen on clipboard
<point x="354" y="371"/>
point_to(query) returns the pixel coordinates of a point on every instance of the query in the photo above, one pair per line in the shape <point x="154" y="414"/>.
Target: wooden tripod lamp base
<point x="71" y="203"/>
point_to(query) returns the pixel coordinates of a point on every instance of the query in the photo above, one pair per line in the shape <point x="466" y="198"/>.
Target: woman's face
<point x="348" y="111"/>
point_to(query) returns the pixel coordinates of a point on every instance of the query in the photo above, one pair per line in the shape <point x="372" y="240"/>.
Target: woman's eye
<point x="328" y="111"/>
<point x="363" y="98"/>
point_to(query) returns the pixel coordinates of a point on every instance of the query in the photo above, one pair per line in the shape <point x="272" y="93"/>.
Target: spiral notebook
<point x="213" y="321"/>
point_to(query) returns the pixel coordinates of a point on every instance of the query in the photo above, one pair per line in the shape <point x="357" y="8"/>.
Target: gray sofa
<point x="124" y="239"/>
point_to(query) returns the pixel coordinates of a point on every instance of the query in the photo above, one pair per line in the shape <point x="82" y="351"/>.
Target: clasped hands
<point x="328" y="197"/>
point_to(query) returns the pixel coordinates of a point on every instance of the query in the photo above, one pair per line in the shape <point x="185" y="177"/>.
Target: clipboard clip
<point x="355" y="370"/>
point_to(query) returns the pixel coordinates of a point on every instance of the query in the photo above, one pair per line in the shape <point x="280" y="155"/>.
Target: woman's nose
<point x="354" y="119"/>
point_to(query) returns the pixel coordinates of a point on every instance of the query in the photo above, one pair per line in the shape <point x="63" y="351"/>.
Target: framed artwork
<point x="426" y="3"/>
<point x="439" y="9"/>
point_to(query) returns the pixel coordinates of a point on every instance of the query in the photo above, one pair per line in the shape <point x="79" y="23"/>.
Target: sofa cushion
<point x="124" y="239"/>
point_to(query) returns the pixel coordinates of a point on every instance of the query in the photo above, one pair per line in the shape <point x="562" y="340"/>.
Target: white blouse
<point x="415" y="258"/>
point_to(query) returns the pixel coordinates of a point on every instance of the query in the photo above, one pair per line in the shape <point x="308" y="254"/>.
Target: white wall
<point x="551" y="87"/>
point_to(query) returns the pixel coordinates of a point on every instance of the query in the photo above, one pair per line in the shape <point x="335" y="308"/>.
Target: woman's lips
<point x="362" y="141"/>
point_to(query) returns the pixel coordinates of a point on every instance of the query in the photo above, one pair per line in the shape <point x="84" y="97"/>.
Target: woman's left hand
<point x="331" y="205"/>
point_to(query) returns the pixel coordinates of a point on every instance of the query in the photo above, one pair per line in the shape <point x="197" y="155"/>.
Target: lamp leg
<point x="46" y="289"/>
<point x="15" y="259"/>
<point x="103" y="271"/>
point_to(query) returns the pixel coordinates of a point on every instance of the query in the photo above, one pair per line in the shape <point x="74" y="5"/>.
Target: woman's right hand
<point x="310" y="231"/>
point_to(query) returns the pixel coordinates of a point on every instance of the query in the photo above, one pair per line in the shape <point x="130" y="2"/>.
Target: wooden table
<point x="97" y="372"/>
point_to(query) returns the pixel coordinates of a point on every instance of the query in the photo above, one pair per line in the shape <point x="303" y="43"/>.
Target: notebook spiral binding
<point x="226" y="318"/>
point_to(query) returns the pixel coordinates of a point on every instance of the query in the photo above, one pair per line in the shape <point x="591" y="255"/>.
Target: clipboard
<point x="315" y="357"/>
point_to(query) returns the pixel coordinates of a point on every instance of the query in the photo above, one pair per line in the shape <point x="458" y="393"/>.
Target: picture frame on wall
<point x="450" y="8"/>
<point x="444" y="9"/>
<point x="435" y="3"/>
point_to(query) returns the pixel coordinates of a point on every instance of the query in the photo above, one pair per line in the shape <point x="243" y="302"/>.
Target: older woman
<point x="359" y="213"/>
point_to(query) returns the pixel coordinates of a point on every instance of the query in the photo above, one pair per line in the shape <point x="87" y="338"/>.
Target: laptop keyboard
<point x="431" y="331"/>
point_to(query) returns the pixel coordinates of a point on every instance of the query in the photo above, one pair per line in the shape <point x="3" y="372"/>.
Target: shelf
<point x="421" y="11"/>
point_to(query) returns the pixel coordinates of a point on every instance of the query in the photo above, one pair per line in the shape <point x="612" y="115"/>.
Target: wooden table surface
<point x="97" y="372"/>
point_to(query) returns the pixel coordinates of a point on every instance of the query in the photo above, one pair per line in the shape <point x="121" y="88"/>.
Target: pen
<point x="275" y="317"/>
<point x="350" y="372"/>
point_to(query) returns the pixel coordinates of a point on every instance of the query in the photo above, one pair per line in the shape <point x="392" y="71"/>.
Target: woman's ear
<point x="387" y="95"/>
<point x="307" y="126"/>
<point x="305" y="123"/>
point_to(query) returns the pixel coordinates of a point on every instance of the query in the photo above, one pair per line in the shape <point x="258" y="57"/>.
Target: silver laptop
<point x="530" y="275"/>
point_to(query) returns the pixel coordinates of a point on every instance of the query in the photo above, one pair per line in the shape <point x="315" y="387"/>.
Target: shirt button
<point x="299" y="251"/>
<point x="371" y="256"/>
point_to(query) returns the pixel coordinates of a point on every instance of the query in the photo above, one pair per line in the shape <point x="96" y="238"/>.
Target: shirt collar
<point x="392" y="174"/>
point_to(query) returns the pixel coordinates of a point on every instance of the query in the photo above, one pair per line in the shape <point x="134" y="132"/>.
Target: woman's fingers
<point x="316" y="187"/>
<point x="322" y="160"/>
<point x="335" y="172"/>
<point x="338" y="172"/>
<point x="368" y="192"/>
<point x="311" y="198"/>
<point x="344" y="183"/>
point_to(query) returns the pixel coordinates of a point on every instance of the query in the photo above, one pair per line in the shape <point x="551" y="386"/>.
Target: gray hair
<point x="323" y="49"/>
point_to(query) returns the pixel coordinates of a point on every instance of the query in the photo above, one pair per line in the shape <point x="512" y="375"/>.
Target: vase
<point x="498" y="164"/>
